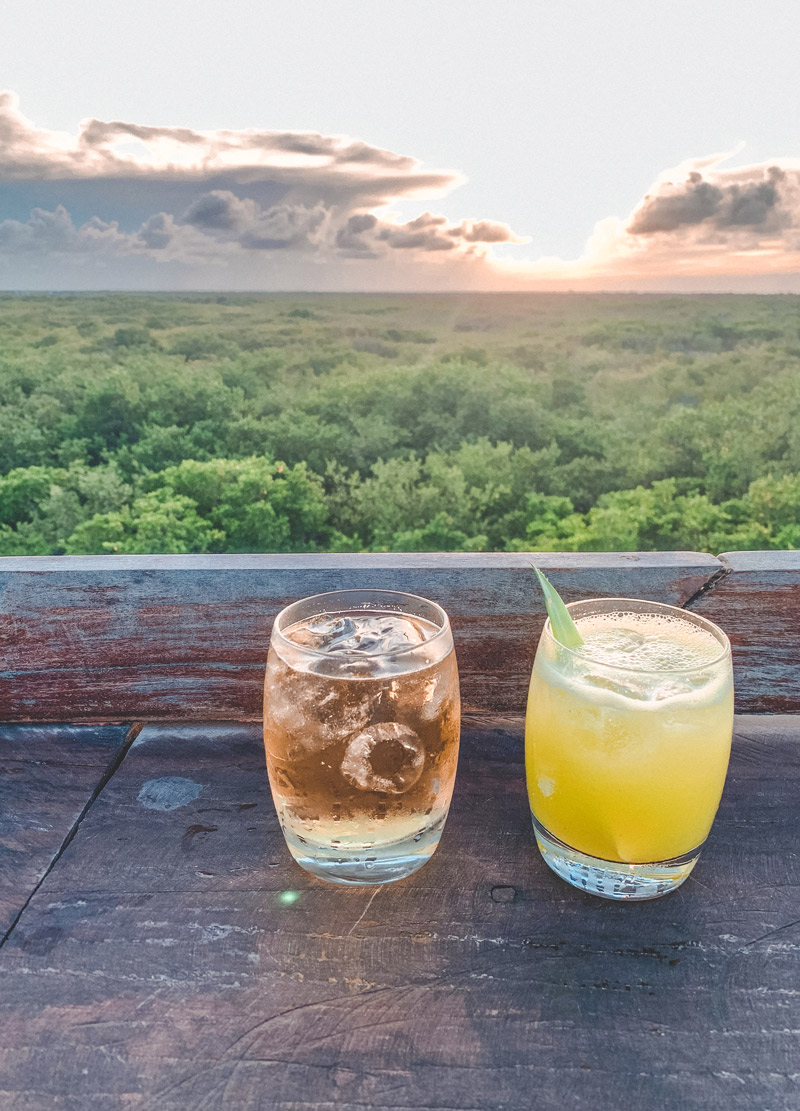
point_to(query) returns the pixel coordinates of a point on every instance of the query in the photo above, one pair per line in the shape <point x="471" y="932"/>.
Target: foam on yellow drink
<point x="628" y="737"/>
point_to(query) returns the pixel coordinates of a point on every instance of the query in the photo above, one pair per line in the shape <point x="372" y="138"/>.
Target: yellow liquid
<point x="628" y="778"/>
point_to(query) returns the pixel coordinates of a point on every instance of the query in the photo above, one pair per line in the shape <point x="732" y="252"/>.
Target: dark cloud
<point x="156" y="232"/>
<point x="225" y="197"/>
<point x="364" y="233"/>
<point x="702" y="226"/>
<point x="752" y="204"/>
<point x="217" y="211"/>
<point x="361" y="222"/>
<point x="425" y="233"/>
<point x="297" y="142"/>
<point x="351" y="236"/>
<point x="282" y="226"/>
<point x="97" y="133"/>
<point x="330" y="165"/>
<point x="690" y="204"/>
<point x="697" y="201"/>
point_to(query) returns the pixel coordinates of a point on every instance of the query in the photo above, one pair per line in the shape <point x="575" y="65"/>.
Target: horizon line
<point x="21" y="292"/>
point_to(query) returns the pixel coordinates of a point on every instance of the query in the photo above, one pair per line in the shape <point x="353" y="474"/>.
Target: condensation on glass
<point x="361" y="730"/>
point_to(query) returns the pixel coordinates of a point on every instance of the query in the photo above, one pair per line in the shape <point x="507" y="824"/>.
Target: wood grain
<point x="47" y="775"/>
<point x="757" y="603"/>
<point x="159" y="967"/>
<point x="111" y="638"/>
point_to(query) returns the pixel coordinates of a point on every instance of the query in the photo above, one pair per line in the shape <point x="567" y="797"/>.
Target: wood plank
<point x="104" y="638"/>
<point x="757" y="603"/>
<point x="171" y="971"/>
<point x="47" y="776"/>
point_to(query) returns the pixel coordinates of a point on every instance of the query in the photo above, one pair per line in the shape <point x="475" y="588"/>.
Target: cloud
<point x="180" y="152"/>
<point x="755" y="203"/>
<point x="223" y="214"/>
<point x="354" y="236"/>
<point x="488" y="231"/>
<point x="701" y="226"/>
<point x="710" y="220"/>
<point x="284" y="226"/>
<point x="46" y="233"/>
<point x="118" y="191"/>
<point x="426" y="233"/>
<point x="122" y="204"/>
<point x="365" y="236"/>
<point x="219" y="210"/>
<point x="157" y="232"/>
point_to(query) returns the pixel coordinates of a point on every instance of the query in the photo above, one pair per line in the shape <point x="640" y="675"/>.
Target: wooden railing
<point x="121" y="638"/>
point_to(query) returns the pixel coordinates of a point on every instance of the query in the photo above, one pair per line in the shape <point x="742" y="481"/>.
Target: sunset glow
<point x="552" y="150"/>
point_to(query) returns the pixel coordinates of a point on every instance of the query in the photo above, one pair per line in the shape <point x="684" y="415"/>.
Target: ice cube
<point x="623" y="640"/>
<point x="387" y="757"/>
<point x="307" y="636"/>
<point x="696" y="680"/>
<point x="342" y="712"/>
<point x="619" y="686"/>
<point x="319" y="633"/>
<point x="336" y="633"/>
<point x="375" y="635"/>
<point x="363" y="634"/>
<point x="670" y="688"/>
<point x="429" y="698"/>
<point x="284" y="702"/>
<point x="313" y="714"/>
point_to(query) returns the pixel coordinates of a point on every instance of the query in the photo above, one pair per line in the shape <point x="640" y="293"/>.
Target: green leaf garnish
<point x="564" y="628"/>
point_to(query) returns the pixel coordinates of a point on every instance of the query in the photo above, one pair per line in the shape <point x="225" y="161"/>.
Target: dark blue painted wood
<point x="48" y="774"/>
<point x="177" y="959"/>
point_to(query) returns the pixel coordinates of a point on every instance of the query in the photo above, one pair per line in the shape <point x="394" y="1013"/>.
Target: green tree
<point x="255" y="504"/>
<point x="663" y="517"/>
<point x="160" y="521"/>
<point x="202" y="345"/>
<point x="133" y="336"/>
<point x="23" y="490"/>
<point x="774" y="504"/>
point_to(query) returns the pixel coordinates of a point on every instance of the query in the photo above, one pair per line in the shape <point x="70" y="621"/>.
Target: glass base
<point x="611" y="879"/>
<point x="371" y="866"/>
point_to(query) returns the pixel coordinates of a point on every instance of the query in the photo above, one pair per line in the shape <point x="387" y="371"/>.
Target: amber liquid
<point x="366" y="759"/>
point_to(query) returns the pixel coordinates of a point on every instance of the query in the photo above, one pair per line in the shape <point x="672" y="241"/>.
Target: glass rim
<point x="697" y="618"/>
<point x="443" y="628"/>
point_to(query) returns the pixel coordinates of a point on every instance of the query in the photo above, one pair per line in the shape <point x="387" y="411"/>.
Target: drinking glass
<point x="361" y="730"/>
<point x="627" y="742"/>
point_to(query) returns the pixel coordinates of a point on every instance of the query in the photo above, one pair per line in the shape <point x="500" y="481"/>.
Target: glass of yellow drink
<point x="627" y="741"/>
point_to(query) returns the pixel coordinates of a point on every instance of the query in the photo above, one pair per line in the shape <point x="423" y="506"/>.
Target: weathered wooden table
<point x="161" y="950"/>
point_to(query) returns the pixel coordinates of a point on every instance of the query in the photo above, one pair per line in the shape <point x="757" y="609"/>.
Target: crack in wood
<point x="771" y="933"/>
<point x="708" y="586"/>
<point x="100" y="786"/>
<point x="364" y="911"/>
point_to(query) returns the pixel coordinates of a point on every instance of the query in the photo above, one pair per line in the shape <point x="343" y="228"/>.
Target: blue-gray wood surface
<point x="174" y="958"/>
<point x="115" y="638"/>
<point x="47" y="779"/>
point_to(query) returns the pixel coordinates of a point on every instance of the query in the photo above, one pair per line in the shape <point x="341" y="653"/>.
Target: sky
<point x="362" y="145"/>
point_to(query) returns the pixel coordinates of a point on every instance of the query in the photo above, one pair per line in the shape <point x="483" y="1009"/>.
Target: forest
<point x="138" y="423"/>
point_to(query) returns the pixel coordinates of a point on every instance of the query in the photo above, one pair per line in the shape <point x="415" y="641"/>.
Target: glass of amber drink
<point x="361" y="730"/>
<point x="627" y="742"/>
